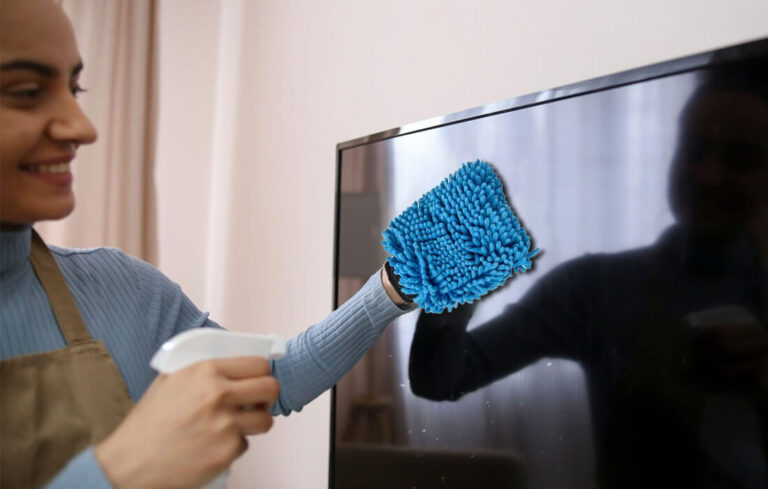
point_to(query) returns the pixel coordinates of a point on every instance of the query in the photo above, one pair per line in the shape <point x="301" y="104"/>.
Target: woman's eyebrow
<point x="28" y="65"/>
<point x="42" y="69"/>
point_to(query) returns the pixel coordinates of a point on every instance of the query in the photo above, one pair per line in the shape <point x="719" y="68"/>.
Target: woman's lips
<point x="52" y="170"/>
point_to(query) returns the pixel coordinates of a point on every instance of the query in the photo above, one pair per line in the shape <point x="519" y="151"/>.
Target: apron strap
<point x="63" y="304"/>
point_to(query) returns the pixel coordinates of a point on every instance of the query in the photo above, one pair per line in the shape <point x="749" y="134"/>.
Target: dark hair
<point x="749" y="76"/>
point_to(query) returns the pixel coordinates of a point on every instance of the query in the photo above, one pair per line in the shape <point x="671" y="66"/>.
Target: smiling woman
<point x="79" y="403"/>
<point x="41" y="124"/>
<point x="80" y="326"/>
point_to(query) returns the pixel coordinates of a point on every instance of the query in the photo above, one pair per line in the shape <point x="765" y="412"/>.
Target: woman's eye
<point x="77" y="89"/>
<point x="24" y="93"/>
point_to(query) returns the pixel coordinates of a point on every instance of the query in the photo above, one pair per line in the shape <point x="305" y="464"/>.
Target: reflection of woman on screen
<point x="622" y="316"/>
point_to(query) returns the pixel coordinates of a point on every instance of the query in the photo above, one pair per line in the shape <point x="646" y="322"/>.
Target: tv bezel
<point x="675" y="66"/>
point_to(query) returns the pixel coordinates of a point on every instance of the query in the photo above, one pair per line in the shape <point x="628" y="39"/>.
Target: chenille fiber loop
<point x="459" y="241"/>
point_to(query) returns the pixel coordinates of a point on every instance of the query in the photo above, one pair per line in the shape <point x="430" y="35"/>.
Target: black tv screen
<point x="635" y="352"/>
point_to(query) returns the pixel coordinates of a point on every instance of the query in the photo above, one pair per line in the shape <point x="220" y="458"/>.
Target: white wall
<point x="188" y="49"/>
<point x="301" y="76"/>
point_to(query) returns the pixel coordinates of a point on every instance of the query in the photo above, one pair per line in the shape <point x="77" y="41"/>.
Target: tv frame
<point x="662" y="69"/>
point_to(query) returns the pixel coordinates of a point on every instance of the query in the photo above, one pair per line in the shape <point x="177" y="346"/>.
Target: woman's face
<point x="720" y="171"/>
<point x="41" y="123"/>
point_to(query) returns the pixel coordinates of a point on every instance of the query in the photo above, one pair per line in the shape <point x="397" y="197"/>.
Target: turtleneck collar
<point x="14" y="252"/>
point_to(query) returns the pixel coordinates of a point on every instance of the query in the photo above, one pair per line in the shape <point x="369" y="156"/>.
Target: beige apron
<point x="54" y="404"/>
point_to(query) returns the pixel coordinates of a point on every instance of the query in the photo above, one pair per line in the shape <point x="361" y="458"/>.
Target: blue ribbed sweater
<point x="133" y="308"/>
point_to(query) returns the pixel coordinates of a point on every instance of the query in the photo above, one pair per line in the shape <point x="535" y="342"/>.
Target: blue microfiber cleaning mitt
<point x="458" y="242"/>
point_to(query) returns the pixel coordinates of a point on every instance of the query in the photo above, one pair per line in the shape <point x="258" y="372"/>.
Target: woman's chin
<point x="58" y="212"/>
<point x="48" y="211"/>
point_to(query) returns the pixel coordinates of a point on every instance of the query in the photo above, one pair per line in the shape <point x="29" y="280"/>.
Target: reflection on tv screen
<point x="635" y="353"/>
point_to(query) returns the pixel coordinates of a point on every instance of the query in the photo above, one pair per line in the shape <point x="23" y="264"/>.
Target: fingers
<point x="250" y="392"/>
<point x="250" y="399"/>
<point x="239" y="389"/>
<point x="241" y="367"/>
<point x="253" y="422"/>
<point x="230" y="382"/>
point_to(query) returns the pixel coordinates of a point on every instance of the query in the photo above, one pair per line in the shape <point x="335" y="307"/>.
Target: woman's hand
<point x="190" y="425"/>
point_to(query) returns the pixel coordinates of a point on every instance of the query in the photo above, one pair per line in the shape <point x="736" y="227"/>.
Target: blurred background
<point x="219" y="120"/>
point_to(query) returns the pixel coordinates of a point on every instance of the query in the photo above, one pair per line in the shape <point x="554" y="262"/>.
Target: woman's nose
<point x="70" y="124"/>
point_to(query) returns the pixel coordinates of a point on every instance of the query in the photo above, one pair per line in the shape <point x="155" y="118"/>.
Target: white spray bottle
<point x="202" y="344"/>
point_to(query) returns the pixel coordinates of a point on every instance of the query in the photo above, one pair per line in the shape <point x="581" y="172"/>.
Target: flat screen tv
<point x="634" y="353"/>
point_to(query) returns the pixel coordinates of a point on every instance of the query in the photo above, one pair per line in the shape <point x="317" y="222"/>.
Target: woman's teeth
<point x="60" y="168"/>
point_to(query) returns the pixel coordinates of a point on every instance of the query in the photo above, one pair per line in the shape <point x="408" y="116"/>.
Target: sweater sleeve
<point x="81" y="471"/>
<point x="320" y="356"/>
<point x="552" y="319"/>
<point x="315" y="359"/>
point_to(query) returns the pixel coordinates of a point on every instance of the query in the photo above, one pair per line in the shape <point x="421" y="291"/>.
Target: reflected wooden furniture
<point x="370" y="419"/>
<point x="372" y="466"/>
